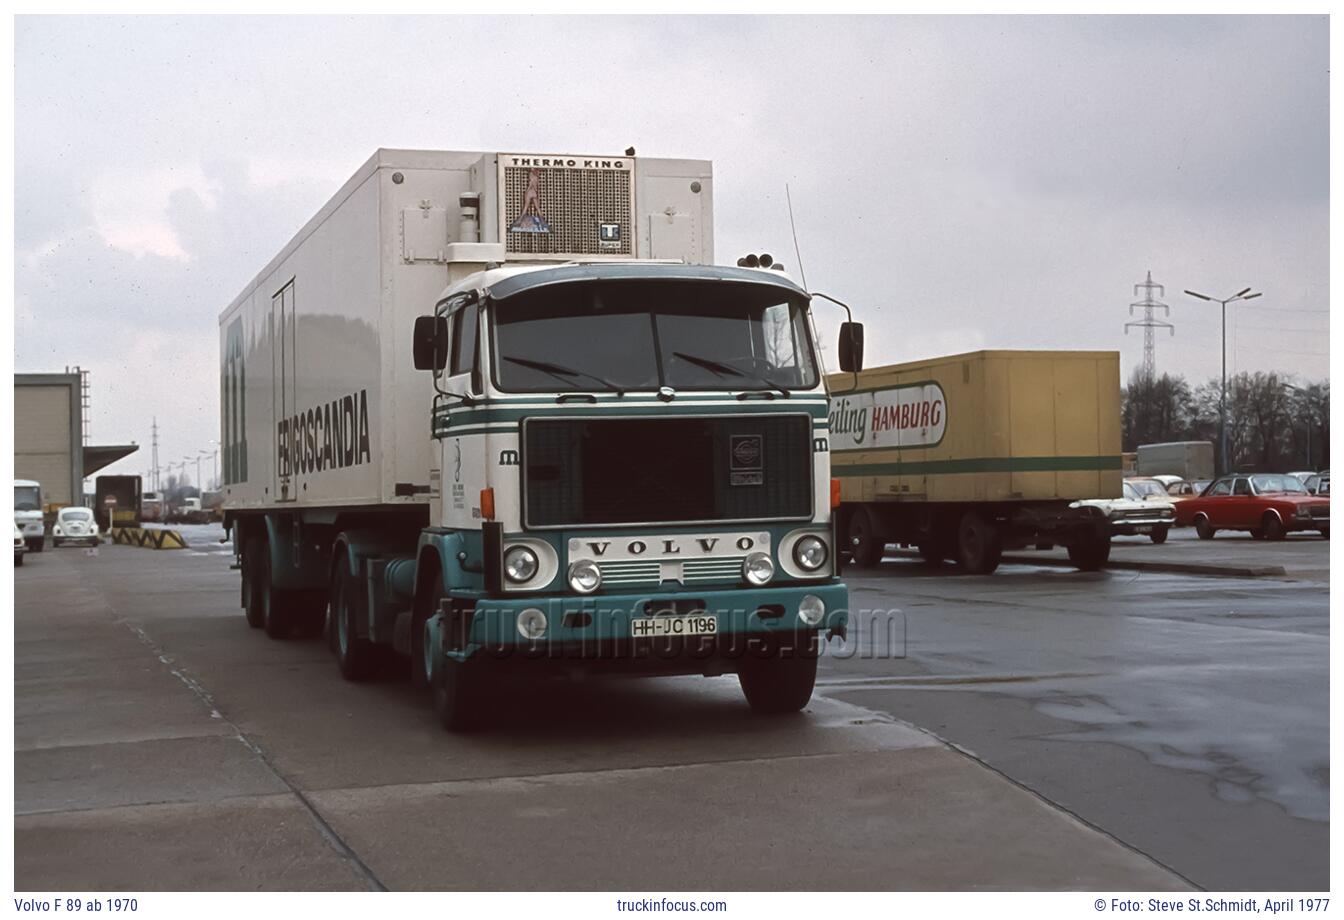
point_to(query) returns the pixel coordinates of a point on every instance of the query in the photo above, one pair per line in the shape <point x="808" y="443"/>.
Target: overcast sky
<point x="964" y="182"/>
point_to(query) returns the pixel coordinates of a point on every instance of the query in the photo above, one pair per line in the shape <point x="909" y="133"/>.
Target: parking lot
<point x="1038" y="728"/>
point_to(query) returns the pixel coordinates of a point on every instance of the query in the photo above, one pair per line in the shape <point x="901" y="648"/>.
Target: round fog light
<point x="531" y="623"/>
<point x="758" y="569"/>
<point x="520" y="564"/>
<point x="811" y="609"/>
<point x="810" y="553"/>
<point x="585" y="577"/>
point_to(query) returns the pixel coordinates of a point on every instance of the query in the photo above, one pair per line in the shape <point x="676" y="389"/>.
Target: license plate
<point x="657" y="627"/>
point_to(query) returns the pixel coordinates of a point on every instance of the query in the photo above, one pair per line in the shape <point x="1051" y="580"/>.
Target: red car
<point x="1269" y="505"/>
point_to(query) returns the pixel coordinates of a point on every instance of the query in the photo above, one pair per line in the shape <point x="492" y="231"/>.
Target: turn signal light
<point x="835" y="494"/>
<point x="488" y="504"/>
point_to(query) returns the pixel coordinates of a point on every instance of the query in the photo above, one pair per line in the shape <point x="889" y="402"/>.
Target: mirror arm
<point x="849" y="315"/>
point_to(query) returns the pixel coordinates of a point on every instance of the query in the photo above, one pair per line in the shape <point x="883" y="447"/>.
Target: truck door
<point x="282" y="373"/>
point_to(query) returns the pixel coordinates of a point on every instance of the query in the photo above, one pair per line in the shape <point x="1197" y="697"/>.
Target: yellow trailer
<point x="966" y="455"/>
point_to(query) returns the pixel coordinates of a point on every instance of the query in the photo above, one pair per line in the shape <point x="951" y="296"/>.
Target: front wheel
<point x="1273" y="527"/>
<point x="458" y="694"/>
<point x="781" y="681"/>
<point x="1090" y="554"/>
<point x="1203" y="528"/>
<point x="1159" y="534"/>
<point x="865" y="547"/>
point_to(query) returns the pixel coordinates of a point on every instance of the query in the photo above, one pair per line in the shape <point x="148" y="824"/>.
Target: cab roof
<point x="505" y="282"/>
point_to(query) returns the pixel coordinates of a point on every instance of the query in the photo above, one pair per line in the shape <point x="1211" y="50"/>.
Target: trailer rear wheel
<point x="458" y="698"/>
<point x="1090" y="553"/>
<point x="979" y="544"/>
<point x="865" y="547"/>
<point x="354" y="655"/>
<point x="782" y="679"/>
<point x="253" y="599"/>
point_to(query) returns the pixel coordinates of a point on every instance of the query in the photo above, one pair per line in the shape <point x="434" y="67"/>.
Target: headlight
<point x="585" y="577"/>
<point x="811" y="609"/>
<point x="1303" y="511"/>
<point x="532" y="623"/>
<point x="810" y="553"/>
<point x="758" y="569"/>
<point x="56" y="530"/>
<point x="520" y="564"/>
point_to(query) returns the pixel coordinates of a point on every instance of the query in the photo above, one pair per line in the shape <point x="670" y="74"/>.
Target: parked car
<point x="20" y="547"/>
<point x="1167" y="479"/>
<point x="1318" y="483"/>
<point x="1267" y="505"/>
<point x="1187" y="488"/>
<point x="1301" y="475"/>
<point x="1134" y="514"/>
<point x="1149" y="489"/>
<point x="74" y="525"/>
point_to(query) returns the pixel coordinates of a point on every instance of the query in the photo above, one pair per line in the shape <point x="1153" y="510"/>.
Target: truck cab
<point x="28" y="513"/>
<point x="631" y="454"/>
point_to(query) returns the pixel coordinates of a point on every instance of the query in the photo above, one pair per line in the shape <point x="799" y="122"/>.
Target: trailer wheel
<point x="1090" y="553"/>
<point x="865" y="547"/>
<point x="979" y="544"/>
<point x="1159" y="534"/>
<point x="781" y="679"/>
<point x="253" y="601"/>
<point x="458" y="697"/>
<point x="354" y="655"/>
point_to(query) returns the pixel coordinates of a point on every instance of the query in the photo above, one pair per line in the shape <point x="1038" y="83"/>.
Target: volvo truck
<point x="496" y="414"/>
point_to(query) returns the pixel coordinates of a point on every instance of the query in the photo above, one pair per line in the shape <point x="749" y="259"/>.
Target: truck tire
<point x="865" y="547"/>
<point x="1159" y="534"/>
<point x="979" y="544"/>
<point x="459" y="700"/>
<point x="355" y="656"/>
<point x="1090" y="553"/>
<point x="276" y="613"/>
<point x="1273" y="527"/>
<point x="1203" y="528"/>
<point x="782" y="679"/>
<point x="253" y="602"/>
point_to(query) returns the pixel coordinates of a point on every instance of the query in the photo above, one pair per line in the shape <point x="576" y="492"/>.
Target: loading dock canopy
<point x="96" y="457"/>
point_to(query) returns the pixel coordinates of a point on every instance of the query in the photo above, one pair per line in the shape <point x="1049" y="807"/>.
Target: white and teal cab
<point x="633" y="475"/>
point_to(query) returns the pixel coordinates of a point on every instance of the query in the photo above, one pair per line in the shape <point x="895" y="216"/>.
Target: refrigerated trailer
<point x="967" y="455"/>
<point x="497" y="413"/>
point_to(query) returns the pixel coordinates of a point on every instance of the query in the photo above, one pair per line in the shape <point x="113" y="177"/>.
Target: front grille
<point x="561" y="209"/>
<point x="642" y="471"/>
<point x="1319" y="511"/>
<point x="641" y="574"/>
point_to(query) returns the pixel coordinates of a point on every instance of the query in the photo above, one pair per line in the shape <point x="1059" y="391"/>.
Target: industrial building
<point x="50" y="436"/>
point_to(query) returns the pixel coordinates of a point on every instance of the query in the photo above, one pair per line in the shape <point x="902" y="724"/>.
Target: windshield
<point x="1276" y="483"/>
<point x="27" y="498"/>
<point x="76" y="514"/>
<point x="633" y="335"/>
<point x="1147" y="487"/>
<point x="1129" y="492"/>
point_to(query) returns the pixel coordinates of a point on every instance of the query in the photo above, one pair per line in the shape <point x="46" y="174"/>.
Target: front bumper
<point x="1144" y="524"/>
<point x="592" y="621"/>
<point x="32" y="529"/>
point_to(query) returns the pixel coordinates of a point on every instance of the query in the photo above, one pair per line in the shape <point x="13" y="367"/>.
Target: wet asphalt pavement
<point x="1188" y="716"/>
<point x="1184" y="719"/>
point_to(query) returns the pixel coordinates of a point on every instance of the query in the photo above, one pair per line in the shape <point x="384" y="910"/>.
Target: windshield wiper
<point x="718" y="367"/>
<point x="555" y="370"/>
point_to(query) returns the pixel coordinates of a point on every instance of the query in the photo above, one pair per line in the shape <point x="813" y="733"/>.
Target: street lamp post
<point x="1222" y="398"/>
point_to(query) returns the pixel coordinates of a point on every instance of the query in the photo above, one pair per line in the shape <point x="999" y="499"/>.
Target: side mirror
<point x="429" y="347"/>
<point x="851" y="347"/>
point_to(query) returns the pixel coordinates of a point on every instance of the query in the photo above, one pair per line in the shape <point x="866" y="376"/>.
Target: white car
<point x="1167" y="479"/>
<point x="20" y="547"/>
<point x="74" y="525"/>
<point x="1133" y="514"/>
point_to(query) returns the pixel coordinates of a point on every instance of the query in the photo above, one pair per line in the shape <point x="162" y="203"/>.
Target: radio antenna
<point x="797" y="254"/>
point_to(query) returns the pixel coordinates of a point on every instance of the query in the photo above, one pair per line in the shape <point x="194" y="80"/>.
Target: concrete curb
<point x="1173" y="568"/>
